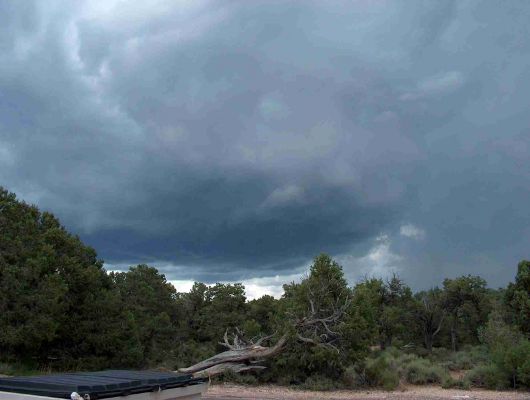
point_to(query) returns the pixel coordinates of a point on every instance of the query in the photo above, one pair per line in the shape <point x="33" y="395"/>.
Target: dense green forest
<point x="60" y="310"/>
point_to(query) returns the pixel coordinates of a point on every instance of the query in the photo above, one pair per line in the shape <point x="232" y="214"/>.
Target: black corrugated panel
<point x="97" y="385"/>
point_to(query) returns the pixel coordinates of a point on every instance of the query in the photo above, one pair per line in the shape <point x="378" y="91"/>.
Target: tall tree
<point x="151" y="301"/>
<point x="225" y="307"/>
<point x="262" y="314"/>
<point x="517" y="297"/>
<point x="430" y="314"/>
<point x="55" y="296"/>
<point x="387" y="305"/>
<point x="467" y="306"/>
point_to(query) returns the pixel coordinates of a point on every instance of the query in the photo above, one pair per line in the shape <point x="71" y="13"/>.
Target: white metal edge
<point x="190" y="392"/>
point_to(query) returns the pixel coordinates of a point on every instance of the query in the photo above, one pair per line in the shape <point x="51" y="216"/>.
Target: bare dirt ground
<point x="234" y="392"/>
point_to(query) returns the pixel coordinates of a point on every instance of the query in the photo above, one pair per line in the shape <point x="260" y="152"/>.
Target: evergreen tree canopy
<point x="56" y="300"/>
<point x="518" y="296"/>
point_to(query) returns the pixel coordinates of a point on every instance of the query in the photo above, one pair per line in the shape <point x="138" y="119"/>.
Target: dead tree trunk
<point x="454" y="345"/>
<point x="431" y="317"/>
<point x="241" y="356"/>
<point x="316" y="327"/>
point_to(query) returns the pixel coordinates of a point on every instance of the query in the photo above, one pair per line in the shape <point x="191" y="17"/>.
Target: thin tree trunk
<point x="453" y="338"/>
<point x="428" y="341"/>
<point x="429" y="334"/>
<point x="382" y="344"/>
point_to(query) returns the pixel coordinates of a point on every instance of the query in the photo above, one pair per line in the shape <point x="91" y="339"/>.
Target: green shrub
<point x="513" y="361"/>
<point x="450" y="383"/>
<point x="374" y="369"/>
<point x="284" y="380"/>
<point x="379" y="372"/>
<point x="466" y="359"/>
<point x="388" y="368"/>
<point x="389" y="379"/>
<point x="421" y="372"/>
<point x="352" y="378"/>
<point x="422" y="352"/>
<point x="393" y="352"/>
<point x="440" y="354"/>
<point x="509" y="350"/>
<point x="20" y="369"/>
<point x="524" y="373"/>
<point x="6" y="369"/>
<point x="232" y="377"/>
<point x="404" y="359"/>
<point x="488" y="376"/>
<point x="320" y="383"/>
<point x="460" y="361"/>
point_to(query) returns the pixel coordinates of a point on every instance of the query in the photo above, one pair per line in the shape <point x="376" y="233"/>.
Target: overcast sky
<point x="228" y="141"/>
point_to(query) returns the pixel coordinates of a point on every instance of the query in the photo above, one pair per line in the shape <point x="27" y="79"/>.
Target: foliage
<point x="57" y="303"/>
<point x="240" y="379"/>
<point x="422" y="371"/>
<point x="264" y="313"/>
<point x="386" y="307"/>
<point x="452" y="383"/>
<point x="487" y="376"/>
<point x="150" y="302"/>
<point x="517" y="297"/>
<point x="429" y="313"/>
<point x="467" y="358"/>
<point x="319" y="294"/>
<point x="510" y="352"/>
<point x="379" y="372"/>
<point x="467" y="305"/>
<point x="60" y="310"/>
<point x="318" y="382"/>
<point x="213" y="309"/>
<point x="389" y="367"/>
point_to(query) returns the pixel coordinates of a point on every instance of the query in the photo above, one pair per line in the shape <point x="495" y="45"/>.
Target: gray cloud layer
<point x="229" y="140"/>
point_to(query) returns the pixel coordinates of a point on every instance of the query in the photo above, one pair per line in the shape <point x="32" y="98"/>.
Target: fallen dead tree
<point x="242" y="355"/>
<point x="317" y="325"/>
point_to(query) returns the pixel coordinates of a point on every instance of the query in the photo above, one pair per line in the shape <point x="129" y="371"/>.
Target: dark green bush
<point x="240" y="379"/>
<point x="524" y="373"/>
<point x="352" y="378"/>
<point x="388" y="368"/>
<point x="320" y="383"/>
<point x="465" y="359"/>
<point x="509" y="350"/>
<point x="488" y="376"/>
<point x="451" y="383"/>
<point x="468" y="358"/>
<point x="378" y="372"/>
<point x="422" y="371"/>
<point x="460" y="361"/>
<point x="389" y="379"/>
<point x="440" y="354"/>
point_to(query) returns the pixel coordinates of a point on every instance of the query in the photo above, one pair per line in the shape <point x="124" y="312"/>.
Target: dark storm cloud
<point x="231" y="140"/>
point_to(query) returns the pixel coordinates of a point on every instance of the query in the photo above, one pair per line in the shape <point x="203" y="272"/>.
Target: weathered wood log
<point x="225" y="367"/>
<point x="238" y="356"/>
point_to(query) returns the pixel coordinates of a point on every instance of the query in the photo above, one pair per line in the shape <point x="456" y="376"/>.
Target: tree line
<point x="60" y="310"/>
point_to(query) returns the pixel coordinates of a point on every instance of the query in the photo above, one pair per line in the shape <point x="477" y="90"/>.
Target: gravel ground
<point x="234" y="392"/>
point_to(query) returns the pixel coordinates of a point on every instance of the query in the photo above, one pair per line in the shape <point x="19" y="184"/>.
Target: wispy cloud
<point x="433" y="86"/>
<point x="412" y="231"/>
